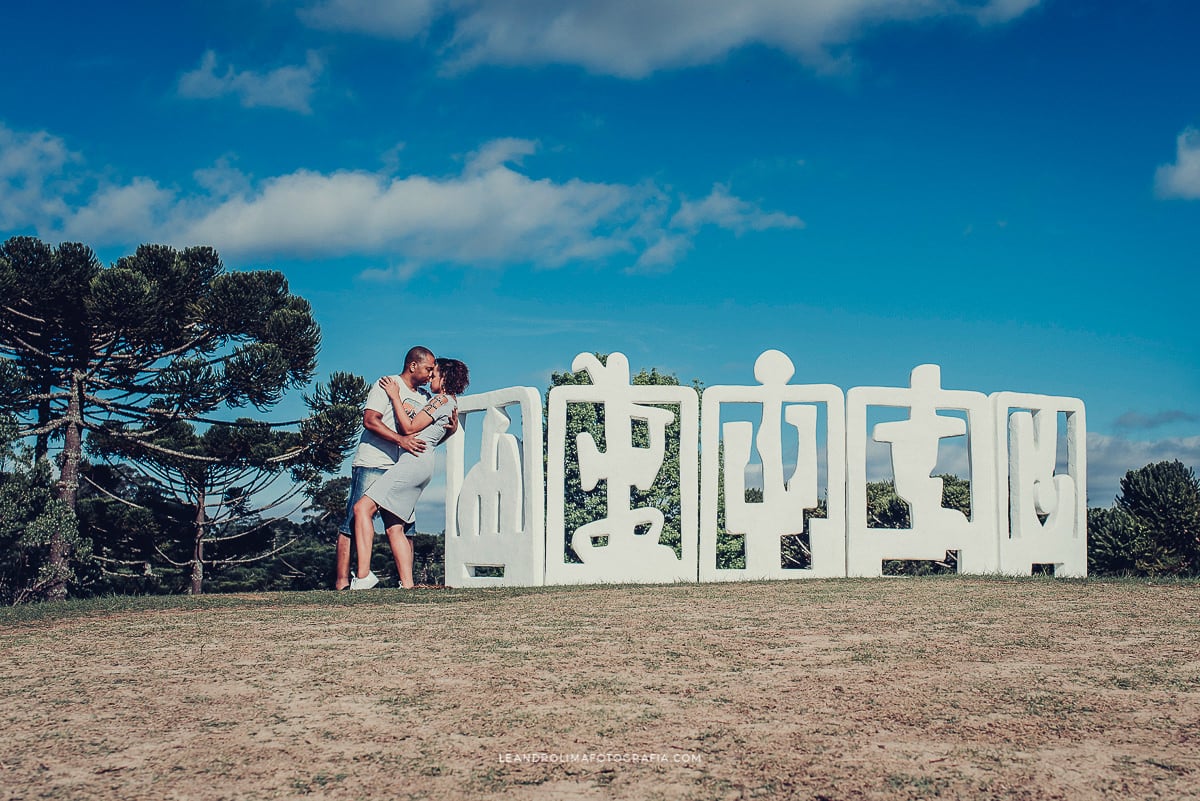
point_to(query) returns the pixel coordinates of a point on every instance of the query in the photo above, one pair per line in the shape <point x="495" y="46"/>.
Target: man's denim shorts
<point x="361" y="478"/>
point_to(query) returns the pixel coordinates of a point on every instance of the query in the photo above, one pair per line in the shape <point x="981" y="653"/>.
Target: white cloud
<point x="1110" y="458"/>
<point x="726" y="211"/>
<point x="1181" y="179"/>
<point x="499" y="152"/>
<point x="31" y="167"/>
<point x="222" y="179"/>
<point x="492" y="213"/>
<point x="1138" y="420"/>
<point x="399" y="19"/>
<point x="289" y="87"/>
<point x="663" y="254"/>
<point x="486" y="216"/>
<point x="117" y="214"/>
<point x="1000" y="11"/>
<point x="633" y="38"/>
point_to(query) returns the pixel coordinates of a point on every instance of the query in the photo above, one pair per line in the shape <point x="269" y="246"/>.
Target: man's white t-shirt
<point x="374" y="450"/>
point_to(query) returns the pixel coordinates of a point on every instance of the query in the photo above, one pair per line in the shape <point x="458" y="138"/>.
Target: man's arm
<point x="373" y="422"/>
<point x="405" y="423"/>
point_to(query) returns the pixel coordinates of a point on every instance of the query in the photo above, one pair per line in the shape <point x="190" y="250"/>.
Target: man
<point x="380" y="445"/>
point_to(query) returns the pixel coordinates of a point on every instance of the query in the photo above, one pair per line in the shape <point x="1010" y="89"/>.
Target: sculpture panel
<point x="506" y="522"/>
<point x="495" y="533"/>
<point x="786" y="501"/>
<point x="624" y="545"/>
<point x="934" y="529"/>
<point x="1042" y="512"/>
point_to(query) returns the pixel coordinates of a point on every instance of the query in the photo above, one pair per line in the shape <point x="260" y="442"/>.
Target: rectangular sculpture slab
<point x="1027" y="434"/>
<point x="785" y="499"/>
<point x="495" y="512"/>
<point x="623" y="546"/>
<point x="934" y="529"/>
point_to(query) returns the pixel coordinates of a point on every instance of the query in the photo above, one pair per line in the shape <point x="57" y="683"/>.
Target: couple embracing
<point x="402" y="424"/>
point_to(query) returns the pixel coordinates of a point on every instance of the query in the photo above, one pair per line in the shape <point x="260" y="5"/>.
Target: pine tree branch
<point x="110" y="495"/>
<point x="23" y="315"/>
<point x="258" y="558"/>
<point x="192" y="344"/>
<point x="110" y="561"/>
<point x="274" y="504"/>
<point x="41" y="354"/>
<point x="178" y="454"/>
<point x="46" y="429"/>
<point x="48" y="396"/>
<point x="159" y="551"/>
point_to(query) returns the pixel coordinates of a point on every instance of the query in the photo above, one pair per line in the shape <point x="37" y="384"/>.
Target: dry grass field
<point x="850" y="689"/>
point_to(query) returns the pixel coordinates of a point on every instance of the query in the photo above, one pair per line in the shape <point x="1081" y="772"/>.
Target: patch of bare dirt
<point x="877" y="689"/>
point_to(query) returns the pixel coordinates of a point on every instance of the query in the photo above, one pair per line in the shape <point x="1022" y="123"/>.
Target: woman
<point x="396" y="492"/>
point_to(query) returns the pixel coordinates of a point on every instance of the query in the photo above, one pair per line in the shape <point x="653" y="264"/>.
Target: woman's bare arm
<point x="373" y="422"/>
<point x="419" y="422"/>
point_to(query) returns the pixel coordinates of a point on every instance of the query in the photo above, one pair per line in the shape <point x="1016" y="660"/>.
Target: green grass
<point x="815" y="590"/>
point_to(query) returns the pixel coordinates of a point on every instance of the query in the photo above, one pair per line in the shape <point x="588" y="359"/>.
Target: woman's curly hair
<point x="455" y="376"/>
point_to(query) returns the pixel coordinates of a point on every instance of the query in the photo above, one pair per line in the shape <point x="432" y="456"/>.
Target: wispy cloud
<point x="1181" y="179"/>
<point x="726" y="211"/>
<point x="719" y="209"/>
<point x="32" y="178"/>
<point x="398" y="19"/>
<point x="662" y="254"/>
<point x="288" y="87"/>
<point x="633" y="38"/>
<point x="492" y="213"/>
<point x="1137" y="420"/>
<point x="499" y="152"/>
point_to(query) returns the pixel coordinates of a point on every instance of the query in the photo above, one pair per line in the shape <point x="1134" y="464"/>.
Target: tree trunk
<point x="198" y="525"/>
<point x="41" y="443"/>
<point x="68" y="484"/>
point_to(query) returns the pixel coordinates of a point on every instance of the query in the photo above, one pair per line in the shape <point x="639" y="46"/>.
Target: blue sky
<point x="1008" y="188"/>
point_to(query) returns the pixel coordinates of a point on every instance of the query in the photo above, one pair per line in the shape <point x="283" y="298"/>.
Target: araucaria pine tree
<point x="131" y="350"/>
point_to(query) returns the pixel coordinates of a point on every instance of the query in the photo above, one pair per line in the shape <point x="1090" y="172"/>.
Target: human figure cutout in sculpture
<point x="914" y="458"/>
<point x="396" y="492"/>
<point x="382" y="441"/>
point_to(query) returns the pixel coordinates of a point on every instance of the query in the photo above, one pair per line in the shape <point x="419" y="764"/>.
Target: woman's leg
<point x="364" y="533"/>
<point x="402" y="549"/>
<point x="342" y="560"/>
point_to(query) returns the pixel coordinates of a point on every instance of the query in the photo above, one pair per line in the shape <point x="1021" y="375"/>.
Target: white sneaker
<point x="366" y="583"/>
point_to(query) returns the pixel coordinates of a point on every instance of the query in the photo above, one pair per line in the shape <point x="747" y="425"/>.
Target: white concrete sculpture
<point x="934" y="529"/>
<point x="623" y="546"/>
<point x="495" y="514"/>
<point x="785" y="500"/>
<point x="1026" y="435"/>
<point x="1026" y="511"/>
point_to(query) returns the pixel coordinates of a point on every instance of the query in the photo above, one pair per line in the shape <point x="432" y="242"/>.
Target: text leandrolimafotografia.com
<point x="553" y="757"/>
